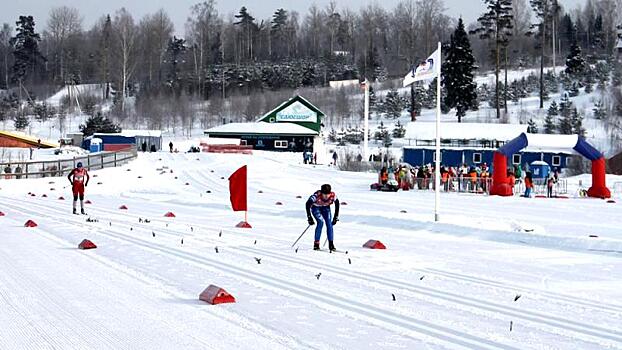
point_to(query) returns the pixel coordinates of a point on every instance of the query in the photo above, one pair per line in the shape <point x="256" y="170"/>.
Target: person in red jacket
<point x="77" y="179"/>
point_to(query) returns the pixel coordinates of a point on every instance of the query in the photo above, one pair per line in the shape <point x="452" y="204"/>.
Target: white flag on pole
<point x="426" y="70"/>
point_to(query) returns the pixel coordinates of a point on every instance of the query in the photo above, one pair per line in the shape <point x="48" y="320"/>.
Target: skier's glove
<point x="310" y="221"/>
<point x="86" y="184"/>
<point x="335" y="219"/>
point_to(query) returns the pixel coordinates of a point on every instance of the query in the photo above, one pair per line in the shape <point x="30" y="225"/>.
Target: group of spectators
<point x="463" y="178"/>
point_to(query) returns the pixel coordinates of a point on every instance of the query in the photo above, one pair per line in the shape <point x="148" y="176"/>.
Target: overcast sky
<point x="178" y="10"/>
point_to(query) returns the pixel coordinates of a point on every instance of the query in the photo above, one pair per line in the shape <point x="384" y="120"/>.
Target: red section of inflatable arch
<point x="599" y="188"/>
<point x="500" y="185"/>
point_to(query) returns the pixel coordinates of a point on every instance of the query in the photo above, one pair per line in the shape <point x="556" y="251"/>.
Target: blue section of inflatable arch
<point x="586" y="150"/>
<point x="514" y="146"/>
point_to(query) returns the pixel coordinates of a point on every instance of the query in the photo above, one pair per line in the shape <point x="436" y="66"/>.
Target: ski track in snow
<point x="285" y="288"/>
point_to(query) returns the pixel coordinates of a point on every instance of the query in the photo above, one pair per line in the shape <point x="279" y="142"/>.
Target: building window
<point x="477" y="158"/>
<point x="557" y="160"/>
<point x="243" y="142"/>
<point x="516" y="158"/>
<point x="280" y="144"/>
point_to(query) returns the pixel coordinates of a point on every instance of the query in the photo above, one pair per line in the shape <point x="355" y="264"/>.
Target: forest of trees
<point x="219" y="57"/>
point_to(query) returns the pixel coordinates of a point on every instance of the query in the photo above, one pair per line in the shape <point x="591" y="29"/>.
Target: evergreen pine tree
<point x="399" y="131"/>
<point x="393" y="104"/>
<point x="575" y="63"/>
<point x="430" y="100"/>
<point x="175" y="50"/>
<point x="616" y="78"/>
<point x="98" y="123"/>
<point x="577" y="122"/>
<point x="387" y="141"/>
<point x="550" y="121"/>
<point x="25" y="49"/>
<point x="589" y="82"/>
<point x="21" y="122"/>
<point x="532" y="128"/>
<point x="416" y="102"/>
<point x="599" y="110"/>
<point x="565" y="126"/>
<point x="495" y="25"/>
<point x="458" y="72"/>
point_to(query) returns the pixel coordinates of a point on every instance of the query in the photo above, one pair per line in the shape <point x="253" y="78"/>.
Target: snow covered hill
<point x="496" y="272"/>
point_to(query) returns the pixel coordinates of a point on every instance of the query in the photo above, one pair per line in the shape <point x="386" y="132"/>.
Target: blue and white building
<point x="473" y="144"/>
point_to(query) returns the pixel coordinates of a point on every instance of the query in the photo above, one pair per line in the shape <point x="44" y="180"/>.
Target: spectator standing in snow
<point x="335" y="158"/>
<point x="143" y="146"/>
<point x="549" y="186"/>
<point x="170" y="146"/>
<point x="528" y="184"/>
<point x="318" y="207"/>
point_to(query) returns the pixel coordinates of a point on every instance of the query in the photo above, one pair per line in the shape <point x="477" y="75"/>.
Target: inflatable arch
<point x="500" y="185"/>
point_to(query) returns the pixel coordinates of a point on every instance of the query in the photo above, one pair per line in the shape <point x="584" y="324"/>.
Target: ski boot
<point x="82" y="211"/>
<point x="75" y="211"/>
<point x="316" y="245"/>
<point x="331" y="246"/>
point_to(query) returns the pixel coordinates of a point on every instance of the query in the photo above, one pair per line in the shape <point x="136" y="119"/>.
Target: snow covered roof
<point x="152" y="133"/>
<point x="261" y="128"/>
<point x="134" y="133"/>
<point x="464" y="131"/>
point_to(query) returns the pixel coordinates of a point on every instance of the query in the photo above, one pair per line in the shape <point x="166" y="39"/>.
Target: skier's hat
<point x="325" y="189"/>
<point x="79" y="165"/>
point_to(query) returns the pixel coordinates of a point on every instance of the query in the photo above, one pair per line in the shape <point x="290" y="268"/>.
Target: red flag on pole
<point x="237" y="189"/>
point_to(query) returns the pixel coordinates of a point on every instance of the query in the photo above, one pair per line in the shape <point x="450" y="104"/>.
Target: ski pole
<point x="326" y="240"/>
<point x="303" y="232"/>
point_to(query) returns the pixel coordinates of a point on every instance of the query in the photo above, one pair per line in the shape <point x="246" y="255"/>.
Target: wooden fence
<point x="62" y="167"/>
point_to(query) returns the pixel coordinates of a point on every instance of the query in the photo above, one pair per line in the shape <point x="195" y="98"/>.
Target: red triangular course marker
<point x="611" y="201"/>
<point x="1" y="213"/>
<point x="278" y="203"/>
<point x="30" y="223"/>
<point x="243" y="224"/>
<point x="343" y="203"/>
<point x="44" y="195"/>
<point x="123" y="207"/>
<point x="86" y="244"/>
<point x="88" y="202"/>
<point x="373" y="244"/>
<point x="216" y="295"/>
<point x="169" y="215"/>
<point x="61" y="198"/>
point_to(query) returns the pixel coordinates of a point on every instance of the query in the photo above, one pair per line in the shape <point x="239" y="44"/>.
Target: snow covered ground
<point x="455" y="282"/>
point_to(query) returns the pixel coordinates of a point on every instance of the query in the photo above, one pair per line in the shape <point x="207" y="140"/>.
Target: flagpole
<point x="437" y="165"/>
<point x="366" y="128"/>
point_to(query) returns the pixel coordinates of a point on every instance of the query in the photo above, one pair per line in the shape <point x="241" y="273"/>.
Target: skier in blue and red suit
<point x="318" y="207"/>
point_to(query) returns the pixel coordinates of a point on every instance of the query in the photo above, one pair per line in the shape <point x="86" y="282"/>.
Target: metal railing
<point x="481" y="185"/>
<point x="62" y="167"/>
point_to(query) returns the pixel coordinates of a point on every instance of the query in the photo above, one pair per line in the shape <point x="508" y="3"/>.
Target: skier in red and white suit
<point x="77" y="179"/>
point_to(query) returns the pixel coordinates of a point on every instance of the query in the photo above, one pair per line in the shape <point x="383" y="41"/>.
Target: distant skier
<point x="170" y="146"/>
<point x="335" y="158"/>
<point x="318" y="207"/>
<point x="77" y="179"/>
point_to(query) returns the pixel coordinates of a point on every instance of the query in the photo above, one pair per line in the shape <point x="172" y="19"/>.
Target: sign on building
<point x="296" y="112"/>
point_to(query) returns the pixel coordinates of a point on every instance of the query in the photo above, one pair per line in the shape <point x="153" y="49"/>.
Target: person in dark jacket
<point x="318" y="207"/>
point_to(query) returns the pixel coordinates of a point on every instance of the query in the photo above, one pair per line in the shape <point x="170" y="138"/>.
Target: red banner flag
<point x="237" y="189"/>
